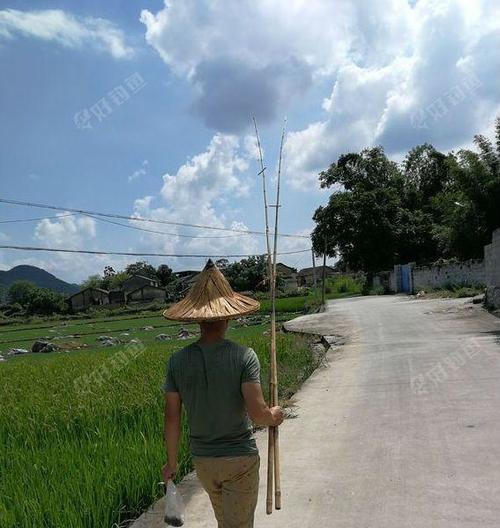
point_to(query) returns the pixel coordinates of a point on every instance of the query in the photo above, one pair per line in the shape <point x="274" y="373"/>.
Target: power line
<point x="56" y="217"/>
<point x="133" y="254"/>
<point x="36" y="219"/>
<point x="161" y="232"/>
<point x="139" y="219"/>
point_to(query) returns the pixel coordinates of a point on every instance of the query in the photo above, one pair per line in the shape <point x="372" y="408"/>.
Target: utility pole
<point x="314" y="268"/>
<point x="324" y="276"/>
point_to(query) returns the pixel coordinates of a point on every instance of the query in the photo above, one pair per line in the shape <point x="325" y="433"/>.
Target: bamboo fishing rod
<point x="277" y="465"/>
<point x="273" y="458"/>
<point x="270" y="445"/>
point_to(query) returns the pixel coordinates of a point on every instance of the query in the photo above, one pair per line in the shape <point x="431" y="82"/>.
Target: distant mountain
<point x="40" y="277"/>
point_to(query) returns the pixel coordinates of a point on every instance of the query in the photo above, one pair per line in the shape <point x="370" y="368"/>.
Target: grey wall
<point x="470" y="272"/>
<point x="492" y="270"/>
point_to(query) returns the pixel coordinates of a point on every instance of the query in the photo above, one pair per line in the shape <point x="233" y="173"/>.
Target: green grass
<point x="334" y="289"/>
<point x="454" y="291"/>
<point x="91" y="459"/>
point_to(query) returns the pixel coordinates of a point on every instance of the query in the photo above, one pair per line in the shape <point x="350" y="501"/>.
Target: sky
<point x="144" y="108"/>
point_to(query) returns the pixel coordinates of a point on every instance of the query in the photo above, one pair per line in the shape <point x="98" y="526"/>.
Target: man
<point x="218" y="381"/>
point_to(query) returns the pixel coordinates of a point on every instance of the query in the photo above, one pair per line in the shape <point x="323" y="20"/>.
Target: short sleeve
<point x="251" y="368"/>
<point x="170" y="385"/>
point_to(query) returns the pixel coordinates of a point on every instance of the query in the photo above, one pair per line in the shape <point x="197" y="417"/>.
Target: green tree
<point x="364" y="215"/>
<point x="248" y="274"/>
<point x="92" y="281"/>
<point x="164" y="274"/>
<point x="472" y="203"/>
<point x="117" y="280"/>
<point x="141" y="268"/>
<point x="45" y="302"/>
<point x="20" y="292"/>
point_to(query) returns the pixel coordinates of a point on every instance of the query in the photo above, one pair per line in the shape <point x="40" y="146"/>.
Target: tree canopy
<point x="430" y="206"/>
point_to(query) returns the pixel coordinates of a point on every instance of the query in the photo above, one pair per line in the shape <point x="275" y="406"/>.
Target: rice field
<point x="81" y="430"/>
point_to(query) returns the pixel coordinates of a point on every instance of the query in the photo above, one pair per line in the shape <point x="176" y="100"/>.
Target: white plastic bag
<point x="174" y="506"/>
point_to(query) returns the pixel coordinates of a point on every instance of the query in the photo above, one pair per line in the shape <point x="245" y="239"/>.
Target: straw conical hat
<point x="211" y="298"/>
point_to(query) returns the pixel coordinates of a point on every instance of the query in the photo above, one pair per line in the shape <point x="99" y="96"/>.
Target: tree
<point x="222" y="264"/>
<point x="20" y="292"/>
<point x="45" y="302"/>
<point x="141" y="268"/>
<point x="164" y="274"/>
<point x="248" y="274"/>
<point x="92" y="281"/>
<point x="363" y="217"/>
<point x="117" y="280"/>
<point x="473" y="202"/>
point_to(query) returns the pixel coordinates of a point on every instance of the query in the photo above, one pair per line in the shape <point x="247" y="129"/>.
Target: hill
<point x="40" y="277"/>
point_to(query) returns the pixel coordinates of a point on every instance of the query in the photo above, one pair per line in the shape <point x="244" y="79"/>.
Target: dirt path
<point x="400" y="429"/>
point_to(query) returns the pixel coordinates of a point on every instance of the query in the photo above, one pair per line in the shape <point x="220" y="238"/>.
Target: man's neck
<point x="208" y="339"/>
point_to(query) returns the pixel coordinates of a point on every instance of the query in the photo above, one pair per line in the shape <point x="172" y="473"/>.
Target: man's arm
<point x="257" y="407"/>
<point x="172" y="433"/>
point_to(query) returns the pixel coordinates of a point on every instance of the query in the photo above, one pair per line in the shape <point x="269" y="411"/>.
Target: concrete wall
<point x="147" y="293"/>
<point x="470" y="272"/>
<point x="492" y="270"/>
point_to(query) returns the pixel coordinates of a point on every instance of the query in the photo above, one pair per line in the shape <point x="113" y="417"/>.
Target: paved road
<point x="400" y="430"/>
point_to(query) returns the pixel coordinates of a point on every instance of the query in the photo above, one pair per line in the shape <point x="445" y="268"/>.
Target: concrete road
<point x="400" y="429"/>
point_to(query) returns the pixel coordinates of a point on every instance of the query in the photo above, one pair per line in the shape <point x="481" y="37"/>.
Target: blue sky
<point x="168" y="91"/>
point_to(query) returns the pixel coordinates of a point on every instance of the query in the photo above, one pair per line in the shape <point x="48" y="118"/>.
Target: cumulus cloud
<point x="250" y="57"/>
<point x="65" y="29"/>
<point x="441" y="88"/>
<point x="67" y="231"/>
<point x="139" y="173"/>
<point x="400" y="72"/>
<point x="202" y="191"/>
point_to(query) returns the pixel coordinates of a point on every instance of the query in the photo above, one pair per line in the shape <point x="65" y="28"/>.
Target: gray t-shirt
<point x="208" y="379"/>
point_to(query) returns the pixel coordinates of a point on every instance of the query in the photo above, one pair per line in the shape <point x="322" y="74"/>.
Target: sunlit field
<point x="81" y="431"/>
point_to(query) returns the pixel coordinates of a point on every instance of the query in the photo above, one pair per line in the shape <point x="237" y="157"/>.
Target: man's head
<point x="214" y="328"/>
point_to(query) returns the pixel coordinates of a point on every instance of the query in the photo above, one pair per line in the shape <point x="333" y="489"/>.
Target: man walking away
<point x="218" y="382"/>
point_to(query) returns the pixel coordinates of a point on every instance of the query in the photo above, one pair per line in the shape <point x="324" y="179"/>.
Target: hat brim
<point x="237" y="306"/>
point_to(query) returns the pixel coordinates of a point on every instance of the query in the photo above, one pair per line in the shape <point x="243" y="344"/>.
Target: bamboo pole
<point x="277" y="466"/>
<point x="271" y="437"/>
<point x="323" y="287"/>
<point x="314" y="269"/>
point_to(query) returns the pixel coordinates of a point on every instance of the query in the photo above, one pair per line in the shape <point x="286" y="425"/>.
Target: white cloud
<point x="239" y="69"/>
<point x="388" y="62"/>
<point x="441" y="88"/>
<point x="139" y="173"/>
<point x="65" y="29"/>
<point x="202" y="191"/>
<point x="67" y="231"/>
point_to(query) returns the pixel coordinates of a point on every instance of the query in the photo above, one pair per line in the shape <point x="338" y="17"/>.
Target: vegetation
<point x="86" y="453"/>
<point x="26" y="296"/>
<point x="431" y="206"/>
<point x="455" y="290"/>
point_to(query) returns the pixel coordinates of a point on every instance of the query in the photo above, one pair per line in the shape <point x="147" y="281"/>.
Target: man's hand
<point x="168" y="472"/>
<point x="278" y="415"/>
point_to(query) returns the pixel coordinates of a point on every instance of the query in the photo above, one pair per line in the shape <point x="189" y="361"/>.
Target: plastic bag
<point x="174" y="506"/>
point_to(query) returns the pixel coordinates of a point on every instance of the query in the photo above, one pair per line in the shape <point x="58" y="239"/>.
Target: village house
<point x="187" y="278"/>
<point x="288" y="275"/>
<point x="305" y="277"/>
<point x="136" y="281"/>
<point x="147" y="292"/>
<point x="88" y="297"/>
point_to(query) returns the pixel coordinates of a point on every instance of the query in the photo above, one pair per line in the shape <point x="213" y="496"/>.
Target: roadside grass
<point x="454" y="291"/>
<point x="92" y="459"/>
<point x="336" y="288"/>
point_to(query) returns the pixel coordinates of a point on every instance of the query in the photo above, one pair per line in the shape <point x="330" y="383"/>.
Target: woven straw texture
<point x="210" y="299"/>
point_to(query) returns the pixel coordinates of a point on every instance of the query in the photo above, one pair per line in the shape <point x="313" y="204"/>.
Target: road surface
<point x="400" y="429"/>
